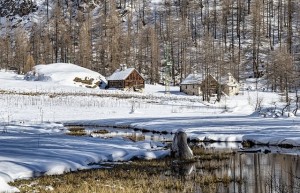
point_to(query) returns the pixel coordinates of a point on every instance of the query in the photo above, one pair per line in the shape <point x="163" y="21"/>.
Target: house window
<point x="185" y="86"/>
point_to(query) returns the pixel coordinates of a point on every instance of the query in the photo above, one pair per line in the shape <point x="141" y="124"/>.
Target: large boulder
<point x="180" y="148"/>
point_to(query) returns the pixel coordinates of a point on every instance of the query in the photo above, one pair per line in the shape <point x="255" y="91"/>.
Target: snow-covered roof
<point x="228" y="80"/>
<point x="121" y="74"/>
<point x="193" y="79"/>
<point x="198" y="78"/>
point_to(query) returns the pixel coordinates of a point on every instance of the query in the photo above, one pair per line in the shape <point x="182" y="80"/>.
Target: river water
<point x="250" y="173"/>
<point x="258" y="170"/>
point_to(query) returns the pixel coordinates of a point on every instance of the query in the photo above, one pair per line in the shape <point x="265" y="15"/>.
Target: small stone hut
<point x="230" y="85"/>
<point x="191" y="85"/>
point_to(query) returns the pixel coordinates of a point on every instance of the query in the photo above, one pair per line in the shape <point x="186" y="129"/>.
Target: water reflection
<point x="243" y="172"/>
<point x="248" y="173"/>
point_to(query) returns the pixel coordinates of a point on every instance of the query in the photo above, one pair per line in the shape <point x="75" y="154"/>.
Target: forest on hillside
<point x="163" y="39"/>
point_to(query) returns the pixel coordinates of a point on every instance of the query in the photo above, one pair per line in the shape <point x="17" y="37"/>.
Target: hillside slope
<point x="241" y="37"/>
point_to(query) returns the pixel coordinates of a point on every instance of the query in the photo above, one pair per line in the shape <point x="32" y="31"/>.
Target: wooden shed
<point x="126" y="79"/>
<point x="211" y="86"/>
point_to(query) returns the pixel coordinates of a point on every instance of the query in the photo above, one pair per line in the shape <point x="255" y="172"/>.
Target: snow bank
<point x="66" y="74"/>
<point x="31" y="151"/>
<point x="4" y="187"/>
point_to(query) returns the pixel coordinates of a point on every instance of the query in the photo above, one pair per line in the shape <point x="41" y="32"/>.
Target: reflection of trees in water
<point x="270" y="173"/>
<point x="284" y="175"/>
<point x="183" y="169"/>
<point x="243" y="173"/>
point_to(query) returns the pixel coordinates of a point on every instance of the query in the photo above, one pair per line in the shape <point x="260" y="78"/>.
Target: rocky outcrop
<point x="180" y="148"/>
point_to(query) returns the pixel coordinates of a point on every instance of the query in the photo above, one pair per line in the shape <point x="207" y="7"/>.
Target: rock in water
<point x="180" y="148"/>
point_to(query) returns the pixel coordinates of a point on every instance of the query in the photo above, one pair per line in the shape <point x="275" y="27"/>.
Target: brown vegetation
<point x="137" y="176"/>
<point x="76" y="131"/>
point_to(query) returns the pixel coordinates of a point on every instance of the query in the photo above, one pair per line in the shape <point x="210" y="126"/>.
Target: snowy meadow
<point x="34" y="138"/>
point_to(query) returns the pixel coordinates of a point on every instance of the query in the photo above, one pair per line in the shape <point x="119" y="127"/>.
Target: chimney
<point x="123" y="67"/>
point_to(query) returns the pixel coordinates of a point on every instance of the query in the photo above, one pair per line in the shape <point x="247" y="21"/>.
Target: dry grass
<point x="87" y="81"/>
<point x="84" y="81"/>
<point x="136" y="138"/>
<point x="76" y="131"/>
<point x="211" y="154"/>
<point x="136" y="176"/>
<point x="100" y="131"/>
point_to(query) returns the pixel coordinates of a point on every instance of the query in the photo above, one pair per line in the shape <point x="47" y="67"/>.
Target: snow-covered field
<point x="32" y="114"/>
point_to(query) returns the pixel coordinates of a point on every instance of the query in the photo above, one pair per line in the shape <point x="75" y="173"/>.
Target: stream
<point x="259" y="169"/>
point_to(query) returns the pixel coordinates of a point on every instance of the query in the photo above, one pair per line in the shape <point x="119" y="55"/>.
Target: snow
<point x="29" y="151"/>
<point x="193" y="79"/>
<point x="198" y="78"/>
<point x="156" y="1"/>
<point x="121" y="74"/>
<point x="64" y="74"/>
<point x="33" y="138"/>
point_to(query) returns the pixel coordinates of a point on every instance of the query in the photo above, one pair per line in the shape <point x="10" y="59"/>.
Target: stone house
<point x="195" y="84"/>
<point x="230" y="85"/>
<point x="191" y="85"/>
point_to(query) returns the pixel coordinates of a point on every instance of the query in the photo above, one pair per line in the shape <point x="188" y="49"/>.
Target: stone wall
<point x="191" y="89"/>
